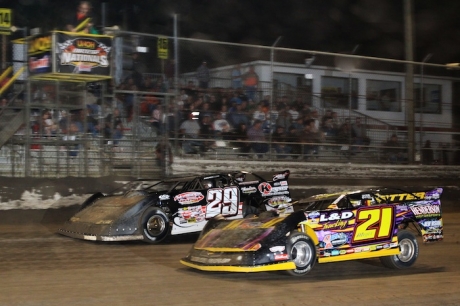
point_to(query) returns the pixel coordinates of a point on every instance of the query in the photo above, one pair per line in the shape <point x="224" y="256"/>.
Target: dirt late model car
<point x="327" y="228"/>
<point x="151" y="211"/>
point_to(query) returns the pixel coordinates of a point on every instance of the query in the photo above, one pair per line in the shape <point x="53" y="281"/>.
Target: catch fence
<point x="310" y="106"/>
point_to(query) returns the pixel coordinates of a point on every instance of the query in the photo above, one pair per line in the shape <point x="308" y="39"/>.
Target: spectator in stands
<point x="63" y="122"/>
<point x="394" y="150"/>
<point x="220" y="125"/>
<point x="190" y="130"/>
<point x="49" y="126"/>
<point x="336" y="121"/>
<point x="279" y="139"/>
<point x="427" y="153"/>
<point x="237" y="80"/>
<point x="284" y="117"/>
<point x="359" y="134"/>
<point x="328" y="128"/>
<point x="82" y="20"/>
<point x="207" y="132"/>
<point x="203" y="75"/>
<point x="91" y="122"/>
<point x="155" y="119"/>
<point x="312" y="136"/>
<point x="257" y="138"/>
<point x="238" y="116"/>
<point x="327" y="115"/>
<point x="113" y="129"/>
<point x="293" y="137"/>
<point x="251" y="83"/>
<point x="240" y="136"/>
<point x="344" y="136"/>
<point x="261" y="112"/>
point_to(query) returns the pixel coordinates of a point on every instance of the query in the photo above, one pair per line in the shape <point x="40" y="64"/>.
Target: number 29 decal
<point x="222" y="201"/>
<point x="373" y="224"/>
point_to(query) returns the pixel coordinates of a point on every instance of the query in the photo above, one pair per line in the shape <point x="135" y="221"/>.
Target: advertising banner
<point x="39" y="54"/>
<point x="83" y="54"/>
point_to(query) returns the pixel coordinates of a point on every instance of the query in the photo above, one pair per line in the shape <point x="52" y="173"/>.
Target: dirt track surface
<point x="40" y="267"/>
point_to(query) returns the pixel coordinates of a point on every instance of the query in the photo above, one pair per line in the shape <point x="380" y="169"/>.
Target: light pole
<point x="272" y="58"/>
<point x="422" y="101"/>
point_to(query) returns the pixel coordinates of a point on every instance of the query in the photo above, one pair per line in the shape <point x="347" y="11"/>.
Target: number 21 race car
<point x="326" y="228"/>
<point x="153" y="210"/>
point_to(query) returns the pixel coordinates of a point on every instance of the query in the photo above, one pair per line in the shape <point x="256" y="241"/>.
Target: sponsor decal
<point x="335" y="253"/>
<point x="400" y="197"/>
<point x="40" y="44"/>
<point x="334" y="240"/>
<point x="275" y="201"/>
<point x="425" y="210"/>
<point x="248" y="190"/>
<point x="265" y="188"/>
<point x="191" y="214"/>
<point x="38" y="65"/>
<point x="343" y="252"/>
<point x="402" y="208"/>
<point x="325" y="217"/>
<point x="339" y="224"/>
<point x="164" y="197"/>
<point x="280" y="176"/>
<point x="358" y="250"/>
<point x="432" y="223"/>
<point x="281" y="257"/>
<point x="189" y="198"/>
<point x="312" y="215"/>
<point x="279" y="248"/>
<point x="350" y="251"/>
<point x="366" y="196"/>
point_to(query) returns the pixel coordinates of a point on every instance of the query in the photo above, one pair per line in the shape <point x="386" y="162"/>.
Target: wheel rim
<point x="301" y="254"/>
<point x="156" y="225"/>
<point x="407" y="250"/>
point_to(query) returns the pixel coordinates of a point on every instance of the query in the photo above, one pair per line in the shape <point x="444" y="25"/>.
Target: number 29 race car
<point x="324" y="228"/>
<point x="153" y="210"/>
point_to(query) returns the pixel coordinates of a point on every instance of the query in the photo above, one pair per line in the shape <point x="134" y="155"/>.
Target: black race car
<point x="153" y="210"/>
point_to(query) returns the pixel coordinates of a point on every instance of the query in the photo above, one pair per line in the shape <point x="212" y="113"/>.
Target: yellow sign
<point x="5" y="21"/>
<point x="162" y="46"/>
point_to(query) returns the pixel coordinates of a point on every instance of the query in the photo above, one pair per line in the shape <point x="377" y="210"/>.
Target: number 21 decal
<point x="373" y="224"/>
<point x="222" y="201"/>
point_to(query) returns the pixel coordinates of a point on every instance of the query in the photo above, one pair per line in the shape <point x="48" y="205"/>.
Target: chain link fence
<point x="173" y="98"/>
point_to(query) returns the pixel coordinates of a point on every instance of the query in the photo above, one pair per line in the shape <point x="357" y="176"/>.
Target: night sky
<point x="322" y="25"/>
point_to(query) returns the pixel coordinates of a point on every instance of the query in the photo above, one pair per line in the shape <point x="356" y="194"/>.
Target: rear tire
<point x="154" y="225"/>
<point x="302" y="252"/>
<point x="408" y="254"/>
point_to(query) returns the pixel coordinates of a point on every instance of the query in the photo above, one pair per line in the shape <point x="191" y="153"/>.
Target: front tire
<point x="302" y="252"/>
<point x="408" y="254"/>
<point x="155" y="225"/>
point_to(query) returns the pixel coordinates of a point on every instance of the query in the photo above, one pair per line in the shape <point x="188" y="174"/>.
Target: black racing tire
<point x="91" y="200"/>
<point x="154" y="225"/>
<point x="408" y="247"/>
<point x="302" y="252"/>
